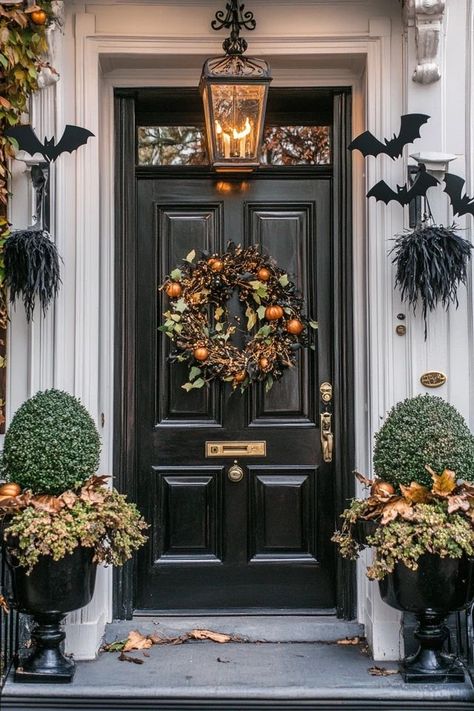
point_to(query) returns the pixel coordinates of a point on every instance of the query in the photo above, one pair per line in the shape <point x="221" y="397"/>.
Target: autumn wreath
<point x="200" y="325"/>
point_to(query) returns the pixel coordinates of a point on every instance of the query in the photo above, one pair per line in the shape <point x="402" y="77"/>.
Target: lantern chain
<point x="234" y="17"/>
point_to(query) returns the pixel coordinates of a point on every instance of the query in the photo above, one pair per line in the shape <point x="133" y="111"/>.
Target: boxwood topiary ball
<point x="52" y="444"/>
<point x="423" y="430"/>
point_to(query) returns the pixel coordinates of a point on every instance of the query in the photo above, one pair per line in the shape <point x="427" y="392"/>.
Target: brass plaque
<point x="236" y="449"/>
<point x="433" y="379"/>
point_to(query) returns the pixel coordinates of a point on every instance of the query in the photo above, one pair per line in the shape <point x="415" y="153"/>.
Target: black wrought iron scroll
<point x="234" y="18"/>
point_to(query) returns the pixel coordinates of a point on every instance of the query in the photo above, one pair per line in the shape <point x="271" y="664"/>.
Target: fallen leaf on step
<point x="4" y="604"/>
<point x="381" y="671"/>
<point x="136" y="640"/>
<point x="208" y="634"/>
<point x="126" y="658"/>
<point x="349" y="640"/>
<point x="113" y="646"/>
<point x="158" y="639"/>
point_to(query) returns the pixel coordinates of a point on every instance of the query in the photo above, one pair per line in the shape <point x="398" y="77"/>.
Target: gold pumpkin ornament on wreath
<point x="201" y="329"/>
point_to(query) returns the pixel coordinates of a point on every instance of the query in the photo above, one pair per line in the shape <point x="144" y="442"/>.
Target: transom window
<point x="171" y="132"/>
<point x="186" y="145"/>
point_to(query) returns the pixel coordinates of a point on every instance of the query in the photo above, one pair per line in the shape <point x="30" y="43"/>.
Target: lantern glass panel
<point x="237" y="111"/>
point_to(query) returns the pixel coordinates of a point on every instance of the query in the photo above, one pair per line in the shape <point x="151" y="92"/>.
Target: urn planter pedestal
<point x="48" y="593"/>
<point x="439" y="586"/>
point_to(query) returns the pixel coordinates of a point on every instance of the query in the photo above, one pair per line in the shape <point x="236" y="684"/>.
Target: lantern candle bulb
<point x="223" y="141"/>
<point x="241" y="136"/>
<point x="234" y="144"/>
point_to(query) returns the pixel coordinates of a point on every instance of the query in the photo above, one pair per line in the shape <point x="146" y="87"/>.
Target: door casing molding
<point x="341" y="327"/>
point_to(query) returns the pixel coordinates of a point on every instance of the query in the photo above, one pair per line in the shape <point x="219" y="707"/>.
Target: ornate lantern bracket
<point x="235" y="19"/>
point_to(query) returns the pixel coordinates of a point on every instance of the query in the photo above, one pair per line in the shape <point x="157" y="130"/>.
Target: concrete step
<point x="204" y="676"/>
<point x="257" y="628"/>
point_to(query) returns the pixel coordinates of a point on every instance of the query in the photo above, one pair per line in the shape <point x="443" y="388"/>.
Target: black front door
<point x="263" y="541"/>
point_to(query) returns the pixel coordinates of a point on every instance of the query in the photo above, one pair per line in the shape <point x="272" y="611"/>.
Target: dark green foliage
<point x="52" y="444"/>
<point x="31" y="268"/>
<point x="419" y="431"/>
<point x="431" y="262"/>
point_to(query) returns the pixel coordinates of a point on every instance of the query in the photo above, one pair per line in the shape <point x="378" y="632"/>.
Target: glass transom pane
<point x="171" y="145"/>
<point x="296" y="145"/>
<point x="186" y="145"/>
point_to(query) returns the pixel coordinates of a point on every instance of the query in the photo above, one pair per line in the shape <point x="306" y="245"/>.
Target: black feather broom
<point x="31" y="268"/>
<point x="431" y="262"/>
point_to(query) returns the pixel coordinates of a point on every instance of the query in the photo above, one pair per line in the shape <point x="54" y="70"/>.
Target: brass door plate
<point x="236" y="449"/>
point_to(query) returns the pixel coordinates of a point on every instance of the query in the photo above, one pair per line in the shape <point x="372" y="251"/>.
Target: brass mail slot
<point x="236" y="449"/>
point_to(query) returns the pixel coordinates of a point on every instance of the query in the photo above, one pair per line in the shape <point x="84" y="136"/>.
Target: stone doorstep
<point x="253" y="628"/>
<point x="256" y="676"/>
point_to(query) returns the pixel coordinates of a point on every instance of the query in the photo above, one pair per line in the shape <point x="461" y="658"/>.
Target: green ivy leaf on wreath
<point x="194" y="372"/>
<point x="200" y="326"/>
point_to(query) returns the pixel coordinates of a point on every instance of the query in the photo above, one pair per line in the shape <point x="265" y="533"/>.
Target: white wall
<point x="310" y="42"/>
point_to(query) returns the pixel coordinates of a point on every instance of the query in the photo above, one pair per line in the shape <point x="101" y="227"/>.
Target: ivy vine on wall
<point x="23" y="46"/>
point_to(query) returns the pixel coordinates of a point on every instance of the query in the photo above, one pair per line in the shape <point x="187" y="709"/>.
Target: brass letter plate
<point x="236" y="449"/>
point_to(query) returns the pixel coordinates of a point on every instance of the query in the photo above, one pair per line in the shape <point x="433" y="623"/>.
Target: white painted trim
<point x="469" y="121"/>
<point x="86" y="199"/>
<point x="212" y="4"/>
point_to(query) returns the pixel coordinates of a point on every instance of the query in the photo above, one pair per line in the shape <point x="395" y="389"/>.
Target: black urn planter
<point x="362" y="529"/>
<point x="52" y="589"/>
<point x="439" y="586"/>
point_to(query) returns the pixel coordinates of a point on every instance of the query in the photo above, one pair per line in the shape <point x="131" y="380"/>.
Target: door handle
<point x="327" y="437"/>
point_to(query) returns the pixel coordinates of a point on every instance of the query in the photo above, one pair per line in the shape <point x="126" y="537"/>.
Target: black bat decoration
<point x="72" y="138"/>
<point x="410" y="125"/>
<point x="404" y="194"/>
<point x="462" y="204"/>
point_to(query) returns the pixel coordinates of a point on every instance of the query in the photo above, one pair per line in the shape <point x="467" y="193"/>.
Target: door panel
<point x="188" y="502"/>
<point x="262" y="542"/>
<point x="286" y="232"/>
<point x="278" y="489"/>
<point x="178" y="226"/>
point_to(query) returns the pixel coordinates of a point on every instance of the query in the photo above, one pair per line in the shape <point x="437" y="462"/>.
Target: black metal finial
<point x="234" y="17"/>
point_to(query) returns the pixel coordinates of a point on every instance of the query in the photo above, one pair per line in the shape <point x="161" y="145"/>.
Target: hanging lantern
<point x="234" y="90"/>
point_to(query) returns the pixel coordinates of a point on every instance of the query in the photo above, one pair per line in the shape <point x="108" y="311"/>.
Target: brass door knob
<point x="235" y="473"/>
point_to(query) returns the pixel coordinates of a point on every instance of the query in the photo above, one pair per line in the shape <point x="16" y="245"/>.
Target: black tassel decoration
<point x="431" y="262"/>
<point x="31" y="268"/>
